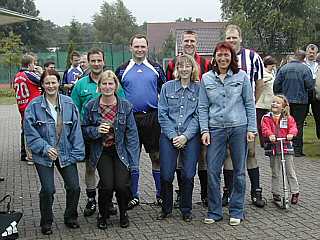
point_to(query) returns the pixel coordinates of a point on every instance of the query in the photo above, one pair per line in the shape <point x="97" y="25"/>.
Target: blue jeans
<point x="168" y="163"/>
<point x="236" y="138"/>
<point x="71" y="184"/>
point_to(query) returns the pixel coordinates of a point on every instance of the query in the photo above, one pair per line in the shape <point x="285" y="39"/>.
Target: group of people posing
<point x="198" y="111"/>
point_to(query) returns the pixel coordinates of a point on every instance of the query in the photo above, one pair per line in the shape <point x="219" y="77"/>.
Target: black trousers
<point x="299" y="113"/>
<point x="315" y="107"/>
<point x="260" y="112"/>
<point x="114" y="176"/>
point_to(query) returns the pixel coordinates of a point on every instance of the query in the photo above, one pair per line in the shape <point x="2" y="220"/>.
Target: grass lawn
<point x="7" y="100"/>
<point x="311" y="142"/>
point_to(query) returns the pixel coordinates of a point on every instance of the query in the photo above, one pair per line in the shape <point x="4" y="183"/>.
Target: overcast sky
<point x="61" y="12"/>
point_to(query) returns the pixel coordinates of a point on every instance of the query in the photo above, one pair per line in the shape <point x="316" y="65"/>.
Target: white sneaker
<point x="234" y="221"/>
<point x="208" y="221"/>
<point x="30" y="162"/>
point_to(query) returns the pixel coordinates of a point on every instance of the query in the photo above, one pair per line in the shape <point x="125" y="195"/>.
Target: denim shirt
<point x="40" y="132"/>
<point x="126" y="133"/>
<point x="294" y="80"/>
<point x="227" y="103"/>
<point x="178" y="109"/>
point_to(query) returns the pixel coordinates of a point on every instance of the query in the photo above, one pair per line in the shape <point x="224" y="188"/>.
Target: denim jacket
<point x="40" y="132"/>
<point x="294" y="80"/>
<point x="227" y="103"/>
<point x="126" y="133"/>
<point x="178" y="109"/>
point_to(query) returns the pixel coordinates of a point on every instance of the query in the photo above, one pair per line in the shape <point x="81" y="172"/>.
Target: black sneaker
<point x="187" y="218"/>
<point x="133" y="203"/>
<point x="46" y="229"/>
<point x="90" y="207"/>
<point x="225" y="197"/>
<point x="159" y="201"/>
<point x="124" y="220"/>
<point x="102" y="223"/>
<point x="256" y="198"/>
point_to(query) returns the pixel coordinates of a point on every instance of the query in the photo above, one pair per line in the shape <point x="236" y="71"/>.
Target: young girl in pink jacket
<point x="279" y="124"/>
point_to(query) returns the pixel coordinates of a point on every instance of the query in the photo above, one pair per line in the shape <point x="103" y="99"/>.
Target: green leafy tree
<point x="168" y="47"/>
<point x="71" y="48"/>
<point x="75" y="31"/>
<point x="114" y="23"/>
<point x="274" y="26"/>
<point x="30" y="31"/>
<point x="11" y="48"/>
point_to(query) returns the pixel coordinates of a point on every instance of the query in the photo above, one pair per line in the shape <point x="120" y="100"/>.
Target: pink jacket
<point x="269" y="127"/>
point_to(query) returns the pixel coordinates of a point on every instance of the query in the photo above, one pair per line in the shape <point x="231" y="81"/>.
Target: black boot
<point x="104" y="200"/>
<point x="256" y="191"/>
<point x="123" y="199"/>
<point x="256" y="197"/>
<point x="91" y="206"/>
<point x="203" y="178"/>
<point x="228" y="182"/>
<point x="167" y="196"/>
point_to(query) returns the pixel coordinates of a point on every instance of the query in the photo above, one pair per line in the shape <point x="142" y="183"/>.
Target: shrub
<point x="7" y="92"/>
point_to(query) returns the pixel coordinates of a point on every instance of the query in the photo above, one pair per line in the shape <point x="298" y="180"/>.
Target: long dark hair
<point x="234" y="60"/>
<point x="46" y="73"/>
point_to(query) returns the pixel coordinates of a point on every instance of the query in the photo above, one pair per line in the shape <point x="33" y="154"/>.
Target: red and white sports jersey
<point x="26" y="89"/>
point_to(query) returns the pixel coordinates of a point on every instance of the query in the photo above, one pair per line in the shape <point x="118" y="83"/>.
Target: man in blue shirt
<point x="71" y="75"/>
<point x="141" y="80"/>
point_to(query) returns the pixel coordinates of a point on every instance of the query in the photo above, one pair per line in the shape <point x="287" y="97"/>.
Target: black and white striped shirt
<point x="250" y="62"/>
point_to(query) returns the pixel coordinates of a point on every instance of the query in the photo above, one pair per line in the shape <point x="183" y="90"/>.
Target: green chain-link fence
<point x="114" y="56"/>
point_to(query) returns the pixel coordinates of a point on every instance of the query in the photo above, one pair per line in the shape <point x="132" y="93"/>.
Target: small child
<point x="279" y="124"/>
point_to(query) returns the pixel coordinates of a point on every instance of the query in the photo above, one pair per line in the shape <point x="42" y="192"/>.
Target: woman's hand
<point x="179" y="141"/>
<point x="205" y="138"/>
<point x="250" y="136"/>
<point x="104" y="128"/>
<point x="53" y="154"/>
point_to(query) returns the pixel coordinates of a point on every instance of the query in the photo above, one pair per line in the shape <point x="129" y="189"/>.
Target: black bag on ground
<point x="9" y="221"/>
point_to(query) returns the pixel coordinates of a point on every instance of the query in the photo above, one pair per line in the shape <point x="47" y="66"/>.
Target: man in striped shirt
<point x="252" y="64"/>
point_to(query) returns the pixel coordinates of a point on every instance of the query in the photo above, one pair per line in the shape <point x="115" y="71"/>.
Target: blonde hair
<point x="286" y="109"/>
<point x="108" y="75"/>
<point x="183" y="59"/>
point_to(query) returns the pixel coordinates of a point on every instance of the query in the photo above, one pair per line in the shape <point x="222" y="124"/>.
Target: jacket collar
<point x="44" y="103"/>
<point x="178" y="86"/>
<point x="229" y="73"/>
<point x="96" y="105"/>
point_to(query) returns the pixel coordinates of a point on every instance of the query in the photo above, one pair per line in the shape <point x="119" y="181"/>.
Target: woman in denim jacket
<point x="227" y="118"/>
<point x="109" y="124"/>
<point x="178" y="118"/>
<point x="53" y="133"/>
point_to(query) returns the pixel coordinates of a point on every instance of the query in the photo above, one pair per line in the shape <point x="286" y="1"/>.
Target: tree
<point x="70" y="50"/>
<point x="11" y="49"/>
<point x="168" y="47"/>
<point x="114" y="23"/>
<point x="274" y="26"/>
<point x="31" y="31"/>
<point x="75" y="31"/>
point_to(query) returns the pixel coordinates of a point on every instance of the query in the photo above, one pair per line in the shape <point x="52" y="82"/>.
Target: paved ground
<point x="299" y="222"/>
